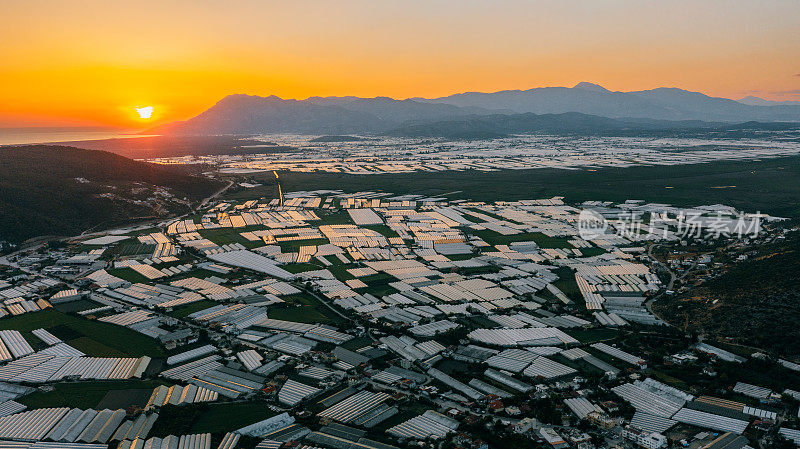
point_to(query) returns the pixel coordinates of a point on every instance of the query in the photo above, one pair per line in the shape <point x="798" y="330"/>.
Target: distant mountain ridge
<point x="665" y="103"/>
<point x="248" y="114"/>
<point x="500" y="125"/>
<point x="757" y="101"/>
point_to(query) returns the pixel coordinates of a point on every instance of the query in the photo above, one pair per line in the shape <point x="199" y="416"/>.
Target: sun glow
<point x="145" y="112"/>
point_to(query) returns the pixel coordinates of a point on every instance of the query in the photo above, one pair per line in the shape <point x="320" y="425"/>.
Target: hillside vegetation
<point x="757" y="302"/>
<point x="56" y="190"/>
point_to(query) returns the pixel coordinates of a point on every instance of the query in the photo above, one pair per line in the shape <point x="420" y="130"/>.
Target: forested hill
<point x="57" y="190"/>
<point x="757" y="302"/>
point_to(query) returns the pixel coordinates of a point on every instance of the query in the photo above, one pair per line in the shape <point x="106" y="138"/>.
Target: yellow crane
<point x="280" y="191"/>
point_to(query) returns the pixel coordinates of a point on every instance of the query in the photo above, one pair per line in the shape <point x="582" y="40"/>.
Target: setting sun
<point x="145" y="112"/>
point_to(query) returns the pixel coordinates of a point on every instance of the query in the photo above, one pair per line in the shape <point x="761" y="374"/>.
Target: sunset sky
<point x="90" y="62"/>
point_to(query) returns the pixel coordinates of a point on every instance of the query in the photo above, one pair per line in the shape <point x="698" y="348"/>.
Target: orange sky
<point x="91" y="62"/>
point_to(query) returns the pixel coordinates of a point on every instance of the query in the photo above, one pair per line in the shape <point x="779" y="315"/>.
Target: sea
<point x="34" y="135"/>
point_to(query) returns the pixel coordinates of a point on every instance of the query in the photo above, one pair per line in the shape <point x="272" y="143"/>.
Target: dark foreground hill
<point x="56" y="190"/>
<point x="756" y="303"/>
<point x="150" y="147"/>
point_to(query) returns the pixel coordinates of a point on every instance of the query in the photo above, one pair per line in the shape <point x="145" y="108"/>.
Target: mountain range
<point x="248" y="114"/>
<point x="757" y="101"/>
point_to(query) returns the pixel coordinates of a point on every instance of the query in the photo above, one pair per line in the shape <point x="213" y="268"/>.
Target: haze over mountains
<point x="756" y="101"/>
<point x="662" y="107"/>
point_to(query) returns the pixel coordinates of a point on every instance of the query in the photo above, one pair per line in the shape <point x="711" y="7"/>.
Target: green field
<point x="460" y="370"/>
<point x="566" y="283"/>
<point x="335" y="218"/>
<point x="129" y="248"/>
<point x="210" y="418"/>
<point x="771" y="186"/>
<point x="293" y="246"/>
<point x="226" y="416"/>
<point x="383" y="230"/>
<point x="667" y="379"/>
<point x="495" y="238"/>
<point x="593" y="251"/>
<point x="377" y="290"/>
<point x="95" y="338"/>
<point x="377" y="279"/>
<point x="480" y="321"/>
<point x="456" y="257"/>
<point x="76" y="306"/>
<point x="302" y="308"/>
<point x="128" y="274"/>
<point x="476" y="219"/>
<point x="340" y="271"/>
<point x="377" y="284"/>
<point x="357" y="343"/>
<point x="592" y="335"/>
<point x="82" y="394"/>
<point x="226" y="236"/>
<point x="302" y="267"/>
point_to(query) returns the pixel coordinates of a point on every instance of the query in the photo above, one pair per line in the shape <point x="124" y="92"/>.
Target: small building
<point x="177" y="338"/>
<point x="645" y="439"/>
<point x="553" y="438"/>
